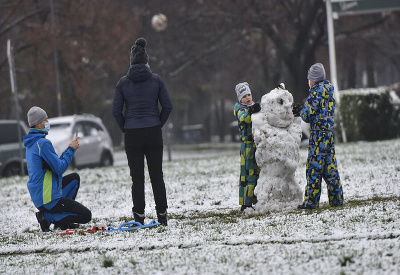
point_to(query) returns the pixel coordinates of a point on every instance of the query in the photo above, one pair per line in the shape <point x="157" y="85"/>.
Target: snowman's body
<point x="277" y="135"/>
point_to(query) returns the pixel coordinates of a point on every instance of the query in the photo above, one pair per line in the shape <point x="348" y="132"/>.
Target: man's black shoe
<point x="73" y="225"/>
<point x="65" y="226"/>
<point x="44" y="225"/>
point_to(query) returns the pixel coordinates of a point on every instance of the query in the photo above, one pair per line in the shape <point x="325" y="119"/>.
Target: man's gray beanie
<point x="316" y="72"/>
<point x="242" y="89"/>
<point x="36" y="115"/>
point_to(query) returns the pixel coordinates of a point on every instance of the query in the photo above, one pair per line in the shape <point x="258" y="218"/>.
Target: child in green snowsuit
<point x="249" y="171"/>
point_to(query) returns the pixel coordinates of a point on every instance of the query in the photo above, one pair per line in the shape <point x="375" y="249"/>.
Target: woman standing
<point x="140" y="92"/>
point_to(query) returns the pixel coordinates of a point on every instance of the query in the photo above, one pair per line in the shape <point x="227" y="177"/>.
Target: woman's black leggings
<point x="140" y="143"/>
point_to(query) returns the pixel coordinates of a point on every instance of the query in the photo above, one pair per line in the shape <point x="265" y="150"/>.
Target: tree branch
<point x="361" y="28"/>
<point x="19" y="20"/>
<point x="188" y="63"/>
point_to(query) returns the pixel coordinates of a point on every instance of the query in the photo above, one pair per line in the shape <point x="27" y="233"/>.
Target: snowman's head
<point x="277" y="105"/>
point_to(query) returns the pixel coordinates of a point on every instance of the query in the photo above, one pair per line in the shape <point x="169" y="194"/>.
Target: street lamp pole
<point x="58" y="89"/>
<point x="160" y="23"/>
<point x="332" y="61"/>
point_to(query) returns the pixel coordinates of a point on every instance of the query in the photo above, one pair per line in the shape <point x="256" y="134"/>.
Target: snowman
<point x="277" y="135"/>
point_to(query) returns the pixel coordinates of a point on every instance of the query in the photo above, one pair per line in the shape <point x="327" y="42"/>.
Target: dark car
<point x="10" y="158"/>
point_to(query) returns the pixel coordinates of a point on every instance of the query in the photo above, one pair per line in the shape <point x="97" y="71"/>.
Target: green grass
<point x="108" y="262"/>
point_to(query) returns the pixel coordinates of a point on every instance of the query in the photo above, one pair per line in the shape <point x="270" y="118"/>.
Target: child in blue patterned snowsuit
<point x="249" y="171"/>
<point x="321" y="163"/>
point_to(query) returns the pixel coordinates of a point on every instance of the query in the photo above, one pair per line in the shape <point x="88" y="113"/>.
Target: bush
<point x="368" y="116"/>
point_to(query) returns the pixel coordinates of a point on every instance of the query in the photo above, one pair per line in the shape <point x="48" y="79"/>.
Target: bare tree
<point x="208" y="47"/>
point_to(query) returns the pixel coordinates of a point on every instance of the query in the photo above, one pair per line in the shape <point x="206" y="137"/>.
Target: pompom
<point x="141" y="42"/>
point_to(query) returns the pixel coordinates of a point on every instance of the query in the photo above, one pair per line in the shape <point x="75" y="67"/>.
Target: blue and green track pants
<point x="249" y="173"/>
<point x="321" y="163"/>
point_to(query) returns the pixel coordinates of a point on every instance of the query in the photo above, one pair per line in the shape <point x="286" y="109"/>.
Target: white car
<point x="96" y="148"/>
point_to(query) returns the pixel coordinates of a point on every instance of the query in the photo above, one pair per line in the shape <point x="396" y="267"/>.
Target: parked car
<point x="10" y="158"/>
<point x="96" y="148"/>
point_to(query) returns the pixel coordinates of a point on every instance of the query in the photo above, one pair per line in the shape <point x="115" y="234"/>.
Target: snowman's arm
<point x="295" y="131"/>
<point x="257" y="120"/>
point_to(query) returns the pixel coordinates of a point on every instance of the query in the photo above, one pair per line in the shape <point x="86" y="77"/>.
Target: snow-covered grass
<point x="206" y="234"/>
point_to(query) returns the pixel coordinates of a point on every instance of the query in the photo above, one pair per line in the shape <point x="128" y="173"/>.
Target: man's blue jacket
<point x="45" y="168"/>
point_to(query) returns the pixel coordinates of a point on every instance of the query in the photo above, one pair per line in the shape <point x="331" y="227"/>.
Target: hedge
<point x="368" y="116"/>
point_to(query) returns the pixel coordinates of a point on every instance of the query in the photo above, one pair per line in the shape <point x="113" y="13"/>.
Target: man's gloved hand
<point x="281" y="86"/>
<point x="254" y="108"/>
<point x="296" y="109"/>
